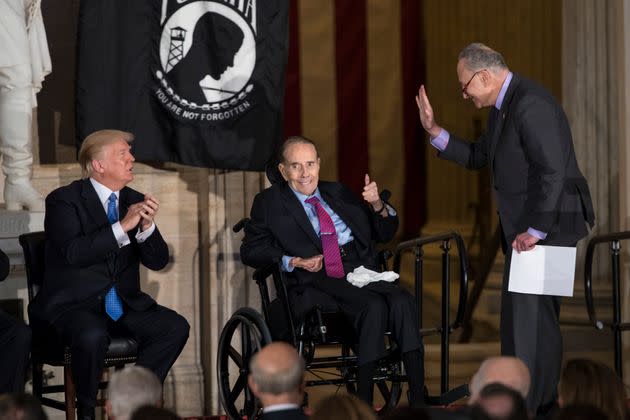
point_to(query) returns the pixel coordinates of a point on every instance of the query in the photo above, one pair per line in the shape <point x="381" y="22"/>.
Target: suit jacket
<point x="535" y="174"/>
<point x="290" y="414"/>
<point x="83" y="259"/>
<point x="279" y="226"/>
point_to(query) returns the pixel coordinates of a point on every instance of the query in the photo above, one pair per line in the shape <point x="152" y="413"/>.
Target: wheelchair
<point x="248" y="331"/>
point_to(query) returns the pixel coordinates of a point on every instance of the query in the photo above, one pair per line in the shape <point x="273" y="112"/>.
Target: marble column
<point x="622" y="45"/>
<point x="228" y="284"/>
<point x="595" y="67"/>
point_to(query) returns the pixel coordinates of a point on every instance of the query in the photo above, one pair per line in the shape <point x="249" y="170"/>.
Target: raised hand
<point x="370" y="194"/>
<point x="150" y="207"/>
<point x="425" y="111"/>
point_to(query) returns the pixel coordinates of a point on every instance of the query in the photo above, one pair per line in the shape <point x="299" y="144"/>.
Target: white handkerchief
<point x="362" y="276"/>
<point x="545" y="270"/>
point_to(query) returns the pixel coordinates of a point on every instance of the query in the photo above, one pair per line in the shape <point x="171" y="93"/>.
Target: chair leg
<point x="70" y="393"/>
<point x="38" y="379"/>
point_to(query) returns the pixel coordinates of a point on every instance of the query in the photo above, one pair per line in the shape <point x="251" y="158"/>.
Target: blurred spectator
<point x="131" y="388"/>
<point x="15" y="344"/>
<point x="21" y="407"/>
<point x="150" y="412"/>
<point x="586" y="381"/>
<point x="501" y="402"/>
<point x="343" y="407"/>
<point x="277" y="379"/>
<point x="506" y="370"/>
<point x="580" y="412"/>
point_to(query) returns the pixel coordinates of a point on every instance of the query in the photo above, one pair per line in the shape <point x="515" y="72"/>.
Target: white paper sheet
<point x="545" y="270"/>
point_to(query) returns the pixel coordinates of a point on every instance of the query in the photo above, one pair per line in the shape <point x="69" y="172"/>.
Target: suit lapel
<point x="93" y="204"/>
<point x="501" y="115"/>
<point x="97" y="213"/>
<point x="296" y="210"/>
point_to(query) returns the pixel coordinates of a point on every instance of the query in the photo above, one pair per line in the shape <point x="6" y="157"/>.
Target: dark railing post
<point x="446" y="279"/>
<point x="615" y="249"/>
<point x="616" y="325"/>
<point x="418" y="279"/>
<point x="445" y="327"/>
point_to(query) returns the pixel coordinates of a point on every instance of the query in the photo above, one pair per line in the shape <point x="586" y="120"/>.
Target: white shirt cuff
<point x="121" y="236"/>
<point x="144" y="235"/>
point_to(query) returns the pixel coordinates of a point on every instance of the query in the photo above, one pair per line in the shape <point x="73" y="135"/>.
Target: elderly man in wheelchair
<point x="318" y="232"/>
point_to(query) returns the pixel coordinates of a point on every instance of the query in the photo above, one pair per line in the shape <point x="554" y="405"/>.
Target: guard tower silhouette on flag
<point x="176" y="48"/>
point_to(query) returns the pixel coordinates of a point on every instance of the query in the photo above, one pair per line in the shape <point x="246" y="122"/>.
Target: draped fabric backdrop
<point x="353" y="69"/>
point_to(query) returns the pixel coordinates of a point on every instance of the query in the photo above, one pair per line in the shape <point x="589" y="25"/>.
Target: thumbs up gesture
<point x="370" y="194"/>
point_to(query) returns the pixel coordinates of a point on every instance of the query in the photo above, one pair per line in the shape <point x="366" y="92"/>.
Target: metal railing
<point x="446" y="327"/>
<point x="617" y="326"/>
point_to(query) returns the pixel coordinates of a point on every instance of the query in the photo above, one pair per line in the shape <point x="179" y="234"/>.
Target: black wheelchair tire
<point x="255" y="333"/>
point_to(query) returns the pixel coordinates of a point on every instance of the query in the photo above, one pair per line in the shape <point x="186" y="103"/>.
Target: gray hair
<point x="278" y="382"/>
<point x="294" y="140"/>
<point x="478" y="56"/>
<point x="130" y="389"/>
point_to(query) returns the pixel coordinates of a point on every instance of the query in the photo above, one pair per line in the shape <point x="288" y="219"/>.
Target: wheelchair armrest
<point x="240" y="224"/>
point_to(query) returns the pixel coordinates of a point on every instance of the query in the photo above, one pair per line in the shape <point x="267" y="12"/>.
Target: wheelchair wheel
<point x="244" y="334"/>
<point x="387" y="379"/>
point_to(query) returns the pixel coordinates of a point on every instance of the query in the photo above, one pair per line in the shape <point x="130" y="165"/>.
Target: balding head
<point x="277" y="373"/>
<point x="509" y="371"/>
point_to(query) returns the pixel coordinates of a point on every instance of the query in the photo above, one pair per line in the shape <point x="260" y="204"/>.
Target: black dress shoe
<point x="85" y="413"/>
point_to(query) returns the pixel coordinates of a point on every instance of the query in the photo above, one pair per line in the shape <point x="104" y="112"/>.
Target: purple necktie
<point x="328" y="235"/>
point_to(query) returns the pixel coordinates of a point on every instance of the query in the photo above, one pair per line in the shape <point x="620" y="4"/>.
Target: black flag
<point x="198" y="82"/>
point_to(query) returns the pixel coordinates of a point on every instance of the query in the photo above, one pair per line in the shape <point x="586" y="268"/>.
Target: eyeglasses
<point x="470" y="80"/>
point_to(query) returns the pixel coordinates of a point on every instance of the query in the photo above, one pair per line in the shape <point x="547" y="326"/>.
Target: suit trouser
<point x="530" y="331"/>
<point x="372" y="310"/>
<point x="161" y="334"/>
<point x="15" y="348"/>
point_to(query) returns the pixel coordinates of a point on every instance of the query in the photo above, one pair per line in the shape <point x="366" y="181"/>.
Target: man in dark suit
<point x="98" y="231"/>
<point x="15" y="344"/>
<point x="541" y="194"/>
<point x="319" y="232"/>
<point x="277" y="380"/>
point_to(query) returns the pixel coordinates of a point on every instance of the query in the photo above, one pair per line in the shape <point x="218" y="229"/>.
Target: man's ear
<point x="252" y="385"/>
<point x="283" y="172"/>
<point x="97" y="166"/>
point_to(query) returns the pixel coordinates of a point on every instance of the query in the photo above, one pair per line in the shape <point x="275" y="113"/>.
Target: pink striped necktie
<point x="330" y="245"/>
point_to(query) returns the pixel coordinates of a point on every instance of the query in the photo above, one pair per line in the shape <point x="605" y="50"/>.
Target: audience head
<point x="509" y="371"/>
<point x="105" y="154"/>
<point x="131" y="388"/>
<point x="277" y="375"/>
<point x="21" y="407"/>
<point x="299" y="164"/>
<point x="343" y="407"/>
<point x="580" y="412"/>
<point x="586" y="381"/>
<point x="150" y="412"/>
<point x="500" y="402"/>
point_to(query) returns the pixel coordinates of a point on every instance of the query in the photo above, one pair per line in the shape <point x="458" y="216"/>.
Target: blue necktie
<point x="113" y="305"/>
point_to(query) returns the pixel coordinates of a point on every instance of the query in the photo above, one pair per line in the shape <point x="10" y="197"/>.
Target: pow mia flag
<point x="199" y="82"/>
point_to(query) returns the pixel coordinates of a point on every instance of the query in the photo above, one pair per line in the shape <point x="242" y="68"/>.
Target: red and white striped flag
<point x="354" y="66"/>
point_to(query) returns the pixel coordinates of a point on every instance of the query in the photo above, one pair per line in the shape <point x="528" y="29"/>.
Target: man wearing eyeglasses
<point x="542" y="196"/>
